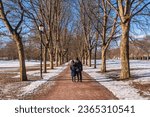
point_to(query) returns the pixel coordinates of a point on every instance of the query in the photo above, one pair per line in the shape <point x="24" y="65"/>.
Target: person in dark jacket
<point x="79" y="69"/>
<point x="73" y="70"/>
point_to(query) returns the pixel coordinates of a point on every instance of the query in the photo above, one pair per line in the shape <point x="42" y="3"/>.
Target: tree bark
<point x="16" y="37"/>
<point x="83" y="59"/>
<point x="60" y="58"/>
<point x="23" y="76"/>
<point x="86" y="59"/>
<point x="103" y="56"/>
<point x="83" y="56"/>
<point x="124" y="51"/>
<point x="89" y="57"/>
<point x="56" y="56"/>
<point x="95" y="55"/>
<point x="45" y="59"/>
<point x="51" y="60"/>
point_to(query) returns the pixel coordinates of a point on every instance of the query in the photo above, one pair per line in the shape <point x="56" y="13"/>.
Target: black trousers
<point x="79" y="76"/>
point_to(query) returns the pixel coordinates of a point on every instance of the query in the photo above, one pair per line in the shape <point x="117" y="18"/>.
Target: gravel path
<point x="65" y="89"/>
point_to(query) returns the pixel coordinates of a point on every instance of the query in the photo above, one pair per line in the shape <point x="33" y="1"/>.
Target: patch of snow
<point x="122" y="89"/>
<point x="15" y="63"/>
<point x="46" y="76"/>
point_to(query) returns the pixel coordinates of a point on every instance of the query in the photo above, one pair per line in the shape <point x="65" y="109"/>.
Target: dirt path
<point x="65" y="89"/>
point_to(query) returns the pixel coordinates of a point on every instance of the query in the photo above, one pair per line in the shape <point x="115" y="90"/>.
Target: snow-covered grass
<point x="46" y="76"/>
<point x="15" y="63"/>
<point x="32" y="86"/>
<point x="123" y="89"/>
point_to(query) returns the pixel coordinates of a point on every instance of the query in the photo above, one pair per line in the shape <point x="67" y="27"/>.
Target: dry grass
<point x="144" y="87"/>
<point x="10" y="87"/>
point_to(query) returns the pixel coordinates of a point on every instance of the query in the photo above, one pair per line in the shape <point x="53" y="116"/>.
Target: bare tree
<point x="15" y="29"/>
<point x="105" y="23"/>
<point x="127" y="10"/>
<point x="88" y="30"/>
<point x="55" y="16"/>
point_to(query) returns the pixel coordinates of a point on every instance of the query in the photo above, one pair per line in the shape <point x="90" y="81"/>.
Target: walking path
<point x="65" y="89"/>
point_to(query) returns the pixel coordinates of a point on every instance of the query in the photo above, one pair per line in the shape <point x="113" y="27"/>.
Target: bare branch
<point x="108" y="1"/>
<point x="141" y="9"/>
<point x="3" y="16"/>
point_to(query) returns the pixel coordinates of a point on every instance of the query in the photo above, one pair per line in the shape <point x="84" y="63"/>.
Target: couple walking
<point x="76" y="70"/>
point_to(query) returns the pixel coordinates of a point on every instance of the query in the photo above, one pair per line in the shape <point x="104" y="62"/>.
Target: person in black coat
<point x="79" y="69"/>
<point x="73" y="70"/>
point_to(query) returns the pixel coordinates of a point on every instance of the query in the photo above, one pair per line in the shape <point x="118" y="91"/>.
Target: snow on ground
<point x="12" y="65"/>
<point x="16" y="63"/>
<point x="46" y="76"/>
<point x="123" y="89"/>
<point x="5" y="66"/>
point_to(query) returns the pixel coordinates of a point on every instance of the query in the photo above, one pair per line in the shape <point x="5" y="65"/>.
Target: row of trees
<point x="22" y="18"/>
<point x="9" y="50"/>
<point x="139" y="49"/>
<point x="73" y="28"/>
<point x="112" y="19"/>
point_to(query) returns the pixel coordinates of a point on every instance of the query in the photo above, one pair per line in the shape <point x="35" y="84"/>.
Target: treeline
<point x="139" y="50"/>
<point x="72" y="28"/>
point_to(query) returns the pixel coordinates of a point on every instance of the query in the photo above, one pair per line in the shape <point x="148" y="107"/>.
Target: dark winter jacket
<point x="79" y="66"/>
<point x="73" y="69"/>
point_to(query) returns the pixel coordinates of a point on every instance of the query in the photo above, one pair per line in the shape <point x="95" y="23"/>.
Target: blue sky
<point x="135" y="29"/>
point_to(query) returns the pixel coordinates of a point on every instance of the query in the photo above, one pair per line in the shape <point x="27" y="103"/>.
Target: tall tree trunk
<point x="124" y="51"/>
<point x="83" y="59"/>
<point x="67" y="57"/>
<point x="45" y="59"/>
<point x="60" y="59"/>
<point x="23" y="76"/>
<point x="86" y="59"/>
<point x="103" y="56"/>
<point x="63" y="59"/>
<point x="51" y="59"/>
<point x="56" y="56"/>
<point x="83" y="56"/>
<point x="95" y="55"/>
<point x="16" y="37"/>
<point x="89" y="57"/>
